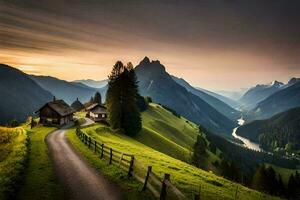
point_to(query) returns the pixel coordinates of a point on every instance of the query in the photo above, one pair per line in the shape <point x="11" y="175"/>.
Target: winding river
<point x="247" y="143"/>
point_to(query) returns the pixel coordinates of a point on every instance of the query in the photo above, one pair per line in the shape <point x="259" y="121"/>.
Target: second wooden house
<point x="97" y="112"/>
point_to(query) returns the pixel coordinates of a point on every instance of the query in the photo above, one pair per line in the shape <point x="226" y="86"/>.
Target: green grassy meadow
<point x="40" y="181"/>
<point x="147" y="146"/>
<point x="13" y="155"/>
<point x="171" y="135"/>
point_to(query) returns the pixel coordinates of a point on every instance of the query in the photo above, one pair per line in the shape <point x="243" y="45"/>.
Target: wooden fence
<point x="161" y="188"/>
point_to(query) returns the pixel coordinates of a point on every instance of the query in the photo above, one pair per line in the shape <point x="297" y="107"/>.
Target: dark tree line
<point x="123" y="98"/>
<point x="244" y="165"/>
<point x="293" y="189"/>
<point x="267" y="180"/>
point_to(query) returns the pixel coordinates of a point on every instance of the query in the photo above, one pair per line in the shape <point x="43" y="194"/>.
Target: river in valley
<point x="247" y="143"/>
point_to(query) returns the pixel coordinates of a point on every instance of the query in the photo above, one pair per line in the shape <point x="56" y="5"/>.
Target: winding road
<point x="79" y="179"/>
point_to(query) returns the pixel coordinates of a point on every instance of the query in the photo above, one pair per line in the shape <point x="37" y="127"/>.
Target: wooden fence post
<point x="236" y="192"/>
<point x="131" y="166"/>
<point x="95" y="146"/>
<point x="102" y="150"/>
<point x="110" y="155"/>
<point x="163" y="192"/>
<point x="147" y="177"/>
<point x="90" y="141"/>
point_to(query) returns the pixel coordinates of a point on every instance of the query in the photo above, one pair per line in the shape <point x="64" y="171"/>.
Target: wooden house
<point x="56" y="112"/>
<point x="97" y="112"/>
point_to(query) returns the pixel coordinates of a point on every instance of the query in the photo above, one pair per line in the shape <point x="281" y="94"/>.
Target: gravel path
<point x="79" y="179"/>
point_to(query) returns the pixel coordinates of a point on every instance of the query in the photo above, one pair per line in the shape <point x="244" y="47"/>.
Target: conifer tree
<point x="97" y="98"/>
<point x="200" y="153"/>
<point x="121" y="98"/>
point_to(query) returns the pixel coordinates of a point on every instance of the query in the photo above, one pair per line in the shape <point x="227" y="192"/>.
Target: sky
<point x="213" y="44"/>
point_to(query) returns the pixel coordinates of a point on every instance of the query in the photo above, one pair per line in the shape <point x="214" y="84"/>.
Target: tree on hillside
<point x="265" y="179"/>
<point x="293" y="186"/>
<point x="97" y="98"/>
<point x="281" y="187"/>
<point x="122" y="96"/>
<point x="200" y="153"/>
<point x="259" y="179"/>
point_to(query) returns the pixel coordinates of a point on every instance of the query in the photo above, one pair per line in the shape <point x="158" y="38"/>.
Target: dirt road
<point x="78" y="178"/>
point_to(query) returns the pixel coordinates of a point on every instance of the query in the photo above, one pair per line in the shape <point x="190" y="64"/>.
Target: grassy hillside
<point x="13" y="154"/>
<point x="40" y="181"/>
<point x="186" y="177"/>
<point x="170" y="134"/>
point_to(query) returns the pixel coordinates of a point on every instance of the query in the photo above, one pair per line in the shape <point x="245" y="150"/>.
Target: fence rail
<point x="162" y="189"/>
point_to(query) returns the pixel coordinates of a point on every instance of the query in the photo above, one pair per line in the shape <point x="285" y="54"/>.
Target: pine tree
<point x="200" y="153"/>
<point x="97" y="98"/>
<point x="271" y="182"/>
<point x="292" y="186"/>
<point x="121" y="98"/>
<point x="259" y="179"/>
<point x="114" y="101"/>
<point x="280" y="186"/>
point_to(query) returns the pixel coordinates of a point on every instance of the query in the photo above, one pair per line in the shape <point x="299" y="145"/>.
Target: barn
<point x="97" y="112"/>
<point x="56" y="112"/>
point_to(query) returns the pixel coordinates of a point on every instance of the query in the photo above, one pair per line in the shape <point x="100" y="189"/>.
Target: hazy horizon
<point x="216" y="45"/>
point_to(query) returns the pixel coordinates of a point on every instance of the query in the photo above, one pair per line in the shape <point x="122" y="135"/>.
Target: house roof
<point x="77" y="105"/>
<point x="98" y="109"/>
<point x="92" y="106"/>
<point x="61" y="107"/>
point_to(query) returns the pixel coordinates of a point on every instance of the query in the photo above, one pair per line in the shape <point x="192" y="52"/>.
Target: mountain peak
<point x="293" y="81"/>
<point x="276" y="83"/>
<point x="153" y="66"/>
<point x="146" y="60"/>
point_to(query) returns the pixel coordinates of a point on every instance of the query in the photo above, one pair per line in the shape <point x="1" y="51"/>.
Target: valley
<point x="172" y="127"/>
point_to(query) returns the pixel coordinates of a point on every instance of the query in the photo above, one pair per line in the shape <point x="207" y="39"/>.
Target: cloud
<point x="210" y="36"/>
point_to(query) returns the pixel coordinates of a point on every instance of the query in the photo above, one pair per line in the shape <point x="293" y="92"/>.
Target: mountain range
<point x="258" y="93"/>
<point x="92" y="83"/>
<point x="20" y="95"/>
<point x="201" y="106"/>
<point x="155" y="82"/>
<point x="207" y="96"/>
<point x="228" y="100"/>
<point x="286" y="98"/>
<point x="68" y="91"/>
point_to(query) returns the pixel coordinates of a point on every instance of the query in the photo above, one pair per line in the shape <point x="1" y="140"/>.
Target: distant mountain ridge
<point x="228" y="100"/>
<point x="20" y="95"/>
<point x="68" y="91"/>
<point x="93" y="83"/>
<point x="288" y="97"/>
<point x="155" y="82"/>
<point x="258" y="93"/>
<point x="219" y="105"/>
